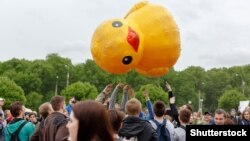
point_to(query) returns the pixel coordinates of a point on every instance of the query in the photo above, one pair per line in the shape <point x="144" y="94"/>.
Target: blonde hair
<point x="133" y="107"/>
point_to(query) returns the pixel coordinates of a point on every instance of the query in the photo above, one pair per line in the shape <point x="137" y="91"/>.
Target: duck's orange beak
<point x="133" y="39"/>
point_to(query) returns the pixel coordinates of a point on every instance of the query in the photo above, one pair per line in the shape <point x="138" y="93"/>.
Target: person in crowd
<point x="245" y="117"/>
<point x="235" y="116"/>
<point x="55" y="123"/>
<point x="69" y="106"/>
<point x="44" y="110"/>
<point x="33" y="119"/>
<point x="89" y="121"/>
<point x="104" y="95"/>
<point x="220" y="117"/>
<point x="173" y="106"/>
<point x="116" y="117"/>
<point x="180" y="132"/>
<point x="1" y="107"/>
<point x="113" y="98"/>
<point x="25" y="128"/>
<point x="2" y="126"/>
<point x="159" y="118"/>
<point x="8" y="116"/>
<point x="135" y="127"/>
<point x="208" y="118"/>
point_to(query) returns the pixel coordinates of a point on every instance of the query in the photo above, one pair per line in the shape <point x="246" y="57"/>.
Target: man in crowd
<point x="55" y="123"/>
<point x="24" y="128"/>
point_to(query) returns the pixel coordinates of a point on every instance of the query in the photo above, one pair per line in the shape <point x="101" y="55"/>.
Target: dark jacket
<point x="135" y="126"/>
<point x="55" y="127"/>
<point x="39" y="133"/>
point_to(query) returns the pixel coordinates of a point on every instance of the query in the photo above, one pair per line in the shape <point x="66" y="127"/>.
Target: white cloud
<point x="213" y="33"/>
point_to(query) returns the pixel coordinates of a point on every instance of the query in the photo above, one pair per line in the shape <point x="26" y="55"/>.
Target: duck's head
<point x="116" y="46"/>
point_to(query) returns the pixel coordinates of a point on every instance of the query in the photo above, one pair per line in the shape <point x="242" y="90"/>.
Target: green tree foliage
<point x="81" y="91"/>
<point x="11" y="92"/>
<point x="33" y="100"/>
<point x="155" y="93"/>
<point x="230" y="99"/>
<point x="40" y="76"/>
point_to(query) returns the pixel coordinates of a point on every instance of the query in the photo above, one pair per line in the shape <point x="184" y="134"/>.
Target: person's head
<point x="32" y="117"/>
<point x="133" y="107"/>
<point x="1" y="102"/>
<point x="159" y="108"/>
<point x="219" y="117"/>
<point x="187" y="106"/>
<point x="45" y="109"/>
<point x="115" y="118"/>
<point x="184" y="116"/>
<point x="89" y="121"/>
<point x="246" y="114"/>
<point x="58" y="103"/>
<point x="207" y="117"/>
<point x="17" y="109"/>
<point x="229" y="121"/>
<point x="72" y="100"/>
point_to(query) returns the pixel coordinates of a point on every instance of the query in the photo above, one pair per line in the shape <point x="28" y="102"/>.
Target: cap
<point x="209" y="113"/>
<point x="1" y="99"/>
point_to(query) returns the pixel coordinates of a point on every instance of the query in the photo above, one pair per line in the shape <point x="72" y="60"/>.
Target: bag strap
<point x="183" y="127"/>
<point x="157" y="123"/>
<point x="19" y="128"/>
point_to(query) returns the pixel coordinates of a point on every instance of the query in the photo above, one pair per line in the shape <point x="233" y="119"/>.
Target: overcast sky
<point x="214" y="33"/>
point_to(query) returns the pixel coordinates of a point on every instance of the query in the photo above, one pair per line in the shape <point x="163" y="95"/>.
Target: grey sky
<point x="214" y="33"/>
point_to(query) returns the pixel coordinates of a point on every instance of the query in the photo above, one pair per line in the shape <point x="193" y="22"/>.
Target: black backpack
<point x="162" y="131"/>
<point x="14" y="136"/>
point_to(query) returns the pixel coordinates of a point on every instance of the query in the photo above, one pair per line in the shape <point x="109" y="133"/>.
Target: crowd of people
<point x="103" y="119"/>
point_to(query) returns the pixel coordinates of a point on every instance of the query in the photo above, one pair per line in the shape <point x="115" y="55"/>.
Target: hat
<point x="1" y="99"/>
<point x="209" y="113"/>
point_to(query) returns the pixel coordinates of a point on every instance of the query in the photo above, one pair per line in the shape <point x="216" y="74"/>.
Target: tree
<point x="155" y="93"/>
<point x="33" y="100"/>
<point x="11" y="92"/>
<point x="81" y="91"/>
<point x="230" y="99"/>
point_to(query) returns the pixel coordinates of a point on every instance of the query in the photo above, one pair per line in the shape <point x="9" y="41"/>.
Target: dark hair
<point x="56" y="102"/>
<point x="185" y="115"/>
<point x="221" y="111"/>
<point x="115" y="118"/>
<point x="30" y="114"/>
<point x="93" y="121"/>
<point x="159" y="108"/>
<point x="16" y="108"/>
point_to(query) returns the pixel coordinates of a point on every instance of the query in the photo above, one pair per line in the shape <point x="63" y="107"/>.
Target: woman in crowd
<point x="89" y="122"/>
<point x="116" y="118"/>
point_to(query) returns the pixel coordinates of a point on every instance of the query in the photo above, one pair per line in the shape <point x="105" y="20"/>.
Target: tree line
<point x="35" y="82"/>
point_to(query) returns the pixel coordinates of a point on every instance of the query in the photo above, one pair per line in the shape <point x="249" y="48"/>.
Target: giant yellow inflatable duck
<point x="146" y="39"/>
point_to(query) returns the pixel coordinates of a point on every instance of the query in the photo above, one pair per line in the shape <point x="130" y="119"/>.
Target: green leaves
<point x="11" y="92"/>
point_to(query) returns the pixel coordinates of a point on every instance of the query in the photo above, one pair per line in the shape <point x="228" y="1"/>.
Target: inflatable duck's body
<point x="147" y="39"/>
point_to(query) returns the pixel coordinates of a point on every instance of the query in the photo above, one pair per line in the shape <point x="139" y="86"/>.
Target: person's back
<point x="55" y="123"/>
<point x="135" y="127"/>
<point x="55" y="127"/>
<point x="164" y="128"/>
<point x="25" y="131"/>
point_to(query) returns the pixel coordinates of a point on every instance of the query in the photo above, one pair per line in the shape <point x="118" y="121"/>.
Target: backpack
<point x="130" y="139"/>
<point x="162" y="131"/>
<point x="14" y="136"/>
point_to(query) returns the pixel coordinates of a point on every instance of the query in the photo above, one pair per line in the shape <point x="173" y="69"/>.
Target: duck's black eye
<point x="127" y="60"/>
<point x="117" y="24"/>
